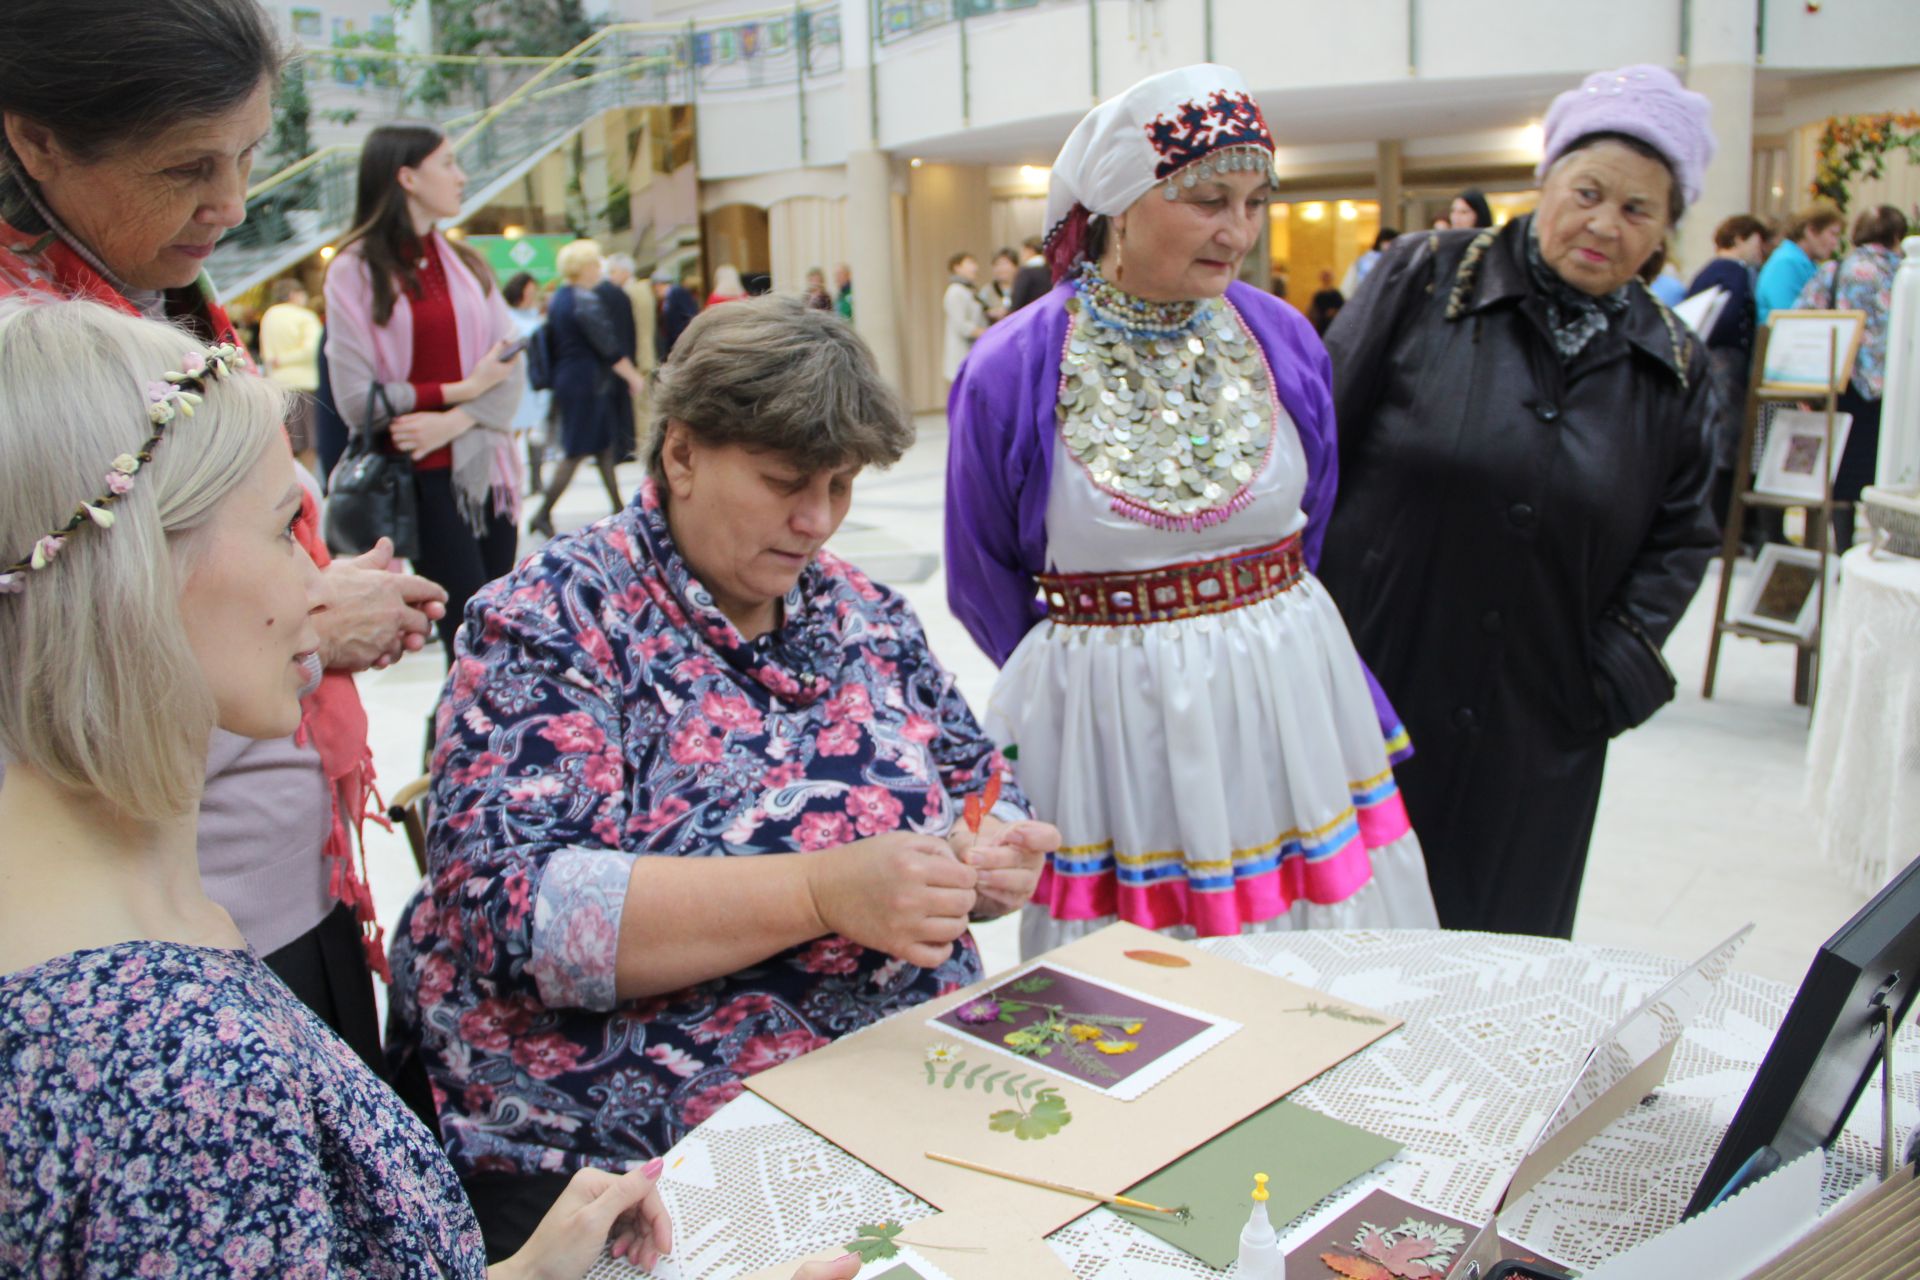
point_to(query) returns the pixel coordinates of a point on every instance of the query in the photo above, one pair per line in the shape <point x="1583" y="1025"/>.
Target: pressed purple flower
<point x="985" y="1009"/>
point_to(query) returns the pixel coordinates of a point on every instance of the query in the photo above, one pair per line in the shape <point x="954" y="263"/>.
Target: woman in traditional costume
<point x="1140" y="471"/>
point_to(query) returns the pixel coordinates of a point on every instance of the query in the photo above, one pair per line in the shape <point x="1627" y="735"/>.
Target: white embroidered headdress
<point x="1179" y="127"/>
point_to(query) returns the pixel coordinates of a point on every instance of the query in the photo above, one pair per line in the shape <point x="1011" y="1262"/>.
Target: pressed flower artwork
<point x="1094" y="1033"/>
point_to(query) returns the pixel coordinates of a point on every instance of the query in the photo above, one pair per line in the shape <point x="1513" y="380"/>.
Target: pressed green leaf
<point x="875" y="1243"/>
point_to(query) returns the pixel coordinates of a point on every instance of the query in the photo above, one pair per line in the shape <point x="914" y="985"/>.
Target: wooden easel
<point x="1806" y="671"/>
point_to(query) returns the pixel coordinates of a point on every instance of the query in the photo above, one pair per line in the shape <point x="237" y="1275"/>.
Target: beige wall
<point x="736" y="234"/>
<point x="949" y="208"/>
<point x="803" y="233"/>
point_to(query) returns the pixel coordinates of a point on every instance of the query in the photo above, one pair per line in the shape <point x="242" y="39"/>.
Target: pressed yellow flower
<point x="1133" y="1028"/>
<point x="1117" y="1046"/>
<point x="1084" y="1032"/>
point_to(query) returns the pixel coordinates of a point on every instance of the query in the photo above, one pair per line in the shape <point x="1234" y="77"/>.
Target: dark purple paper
<point x="1386" y="1211"/>
<point x="1161" y="1030"/>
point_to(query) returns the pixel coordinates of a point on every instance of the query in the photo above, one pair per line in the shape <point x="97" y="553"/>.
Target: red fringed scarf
<point x="334" y="722"/>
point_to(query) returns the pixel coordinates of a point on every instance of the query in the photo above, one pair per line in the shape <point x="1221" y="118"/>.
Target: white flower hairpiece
<point x="172" y="394"/>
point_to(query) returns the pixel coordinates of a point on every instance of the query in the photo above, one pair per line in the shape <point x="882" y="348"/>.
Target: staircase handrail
<point x="528" y="88"/>
<point x="627" y="67"/>
<point x="299" y="167"/>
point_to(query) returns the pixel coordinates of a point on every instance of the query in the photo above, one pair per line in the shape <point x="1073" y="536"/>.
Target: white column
<point x="1388" y="180"/>
<point x="870" y="254"/>
<point x="1721" y="66"/>
<point x="871" y="251"/>
<point x="1899" y="460"/>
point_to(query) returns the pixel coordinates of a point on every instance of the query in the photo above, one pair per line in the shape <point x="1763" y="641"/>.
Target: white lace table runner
<point x="1495" y="1028"/>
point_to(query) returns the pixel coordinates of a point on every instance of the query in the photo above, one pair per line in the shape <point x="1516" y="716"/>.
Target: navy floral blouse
<point x="168" y="1110"/>
<point x="600" y="708"/>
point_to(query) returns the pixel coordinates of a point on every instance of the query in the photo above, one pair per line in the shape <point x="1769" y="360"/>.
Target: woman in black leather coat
<point x="1522" y="516"/>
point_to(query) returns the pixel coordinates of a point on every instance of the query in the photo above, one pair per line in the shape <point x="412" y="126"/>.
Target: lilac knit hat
<point x="1642" y="102"/>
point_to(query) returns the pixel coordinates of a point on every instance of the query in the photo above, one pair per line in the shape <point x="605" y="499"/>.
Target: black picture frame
<point x="1830" y="1043"/>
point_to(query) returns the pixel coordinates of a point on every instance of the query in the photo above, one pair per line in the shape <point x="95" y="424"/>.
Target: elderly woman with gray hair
<point x="696" y="787"/>
<point x="1525" y="457"/>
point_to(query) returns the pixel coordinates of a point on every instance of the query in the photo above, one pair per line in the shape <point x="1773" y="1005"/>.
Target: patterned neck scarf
<point x="1574" y="317"/>
<point x="797" y="662"/>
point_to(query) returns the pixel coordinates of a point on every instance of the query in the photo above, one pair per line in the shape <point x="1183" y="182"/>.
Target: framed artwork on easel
<point x="1783" y="596"/>
<point x="1812" y="350"/>
<point x="1797" y="452"/>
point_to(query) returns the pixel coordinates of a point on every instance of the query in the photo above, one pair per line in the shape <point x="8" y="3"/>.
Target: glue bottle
<point x="1259" y="1248"/>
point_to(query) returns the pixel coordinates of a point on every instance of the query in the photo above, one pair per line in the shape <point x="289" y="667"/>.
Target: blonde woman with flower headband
<point x="116" y="188"/>
<point x="171" y="1105"/>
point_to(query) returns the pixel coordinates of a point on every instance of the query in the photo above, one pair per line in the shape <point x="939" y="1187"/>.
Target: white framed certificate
<point x="1812" y="351"/>
<point x="1796" y="452"/>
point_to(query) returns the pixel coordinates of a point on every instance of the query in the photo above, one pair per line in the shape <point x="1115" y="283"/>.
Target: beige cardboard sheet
<point x="870" y="1093"/>
<point x="1600" y="1113"/>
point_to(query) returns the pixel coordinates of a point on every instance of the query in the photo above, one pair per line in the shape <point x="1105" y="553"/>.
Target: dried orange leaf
<point x="1355" y="1268"/>
<point x="1164" y="959"/>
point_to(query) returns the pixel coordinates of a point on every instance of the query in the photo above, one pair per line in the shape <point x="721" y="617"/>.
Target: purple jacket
<point x="1001" y="429"/>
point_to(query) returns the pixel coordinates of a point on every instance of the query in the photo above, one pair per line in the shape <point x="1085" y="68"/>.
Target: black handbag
<point x="370" y="495"/>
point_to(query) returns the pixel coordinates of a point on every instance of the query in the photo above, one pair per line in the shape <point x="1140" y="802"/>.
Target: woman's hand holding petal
<point x="1009" y="858"/>
<point x="901" y="893"/>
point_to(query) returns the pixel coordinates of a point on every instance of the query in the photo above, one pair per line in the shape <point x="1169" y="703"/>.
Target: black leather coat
<point x="1516" y="535"/>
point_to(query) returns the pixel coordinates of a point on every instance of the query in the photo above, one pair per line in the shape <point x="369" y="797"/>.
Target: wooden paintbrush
<point x="1180" y="1214"/>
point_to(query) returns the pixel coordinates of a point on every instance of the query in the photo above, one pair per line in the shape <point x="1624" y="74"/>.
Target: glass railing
<point x="902" y="19"/>
<point x="505" y="114"/>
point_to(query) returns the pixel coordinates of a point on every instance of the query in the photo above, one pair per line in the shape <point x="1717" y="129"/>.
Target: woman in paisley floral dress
<point x="167" y="1105"/>
<point x="696" y="787"/>
<point x="1140" y="471"/>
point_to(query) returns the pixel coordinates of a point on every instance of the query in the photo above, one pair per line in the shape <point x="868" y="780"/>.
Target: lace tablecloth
<point x="1863" y="756"/>
<point x="1495" y="1027"/>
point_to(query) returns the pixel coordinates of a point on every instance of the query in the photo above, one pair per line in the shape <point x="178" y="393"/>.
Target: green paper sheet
<point x="1304" y="1154"/>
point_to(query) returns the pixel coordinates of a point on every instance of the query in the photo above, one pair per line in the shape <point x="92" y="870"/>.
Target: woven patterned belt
<point x="1177" y="591"/>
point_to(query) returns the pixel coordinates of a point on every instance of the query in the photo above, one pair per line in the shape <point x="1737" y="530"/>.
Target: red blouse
<point x="436" y="346"/>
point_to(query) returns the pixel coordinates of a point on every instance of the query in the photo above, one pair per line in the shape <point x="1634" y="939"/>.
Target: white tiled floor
<point x="1702" y="825"/>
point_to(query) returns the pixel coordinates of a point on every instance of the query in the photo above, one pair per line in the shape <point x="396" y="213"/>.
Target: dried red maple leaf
<point x="1403" y="1256"/>
<point x="1355" y="1268"/>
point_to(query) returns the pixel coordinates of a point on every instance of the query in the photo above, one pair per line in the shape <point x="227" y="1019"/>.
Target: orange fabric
<point x="331" y="718"/>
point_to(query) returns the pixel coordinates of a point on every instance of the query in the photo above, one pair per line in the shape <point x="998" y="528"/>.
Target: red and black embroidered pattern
<point x="1198" y="129"/>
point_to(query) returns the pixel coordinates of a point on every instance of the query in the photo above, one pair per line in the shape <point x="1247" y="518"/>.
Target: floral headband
<point x="172" y="394"/>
